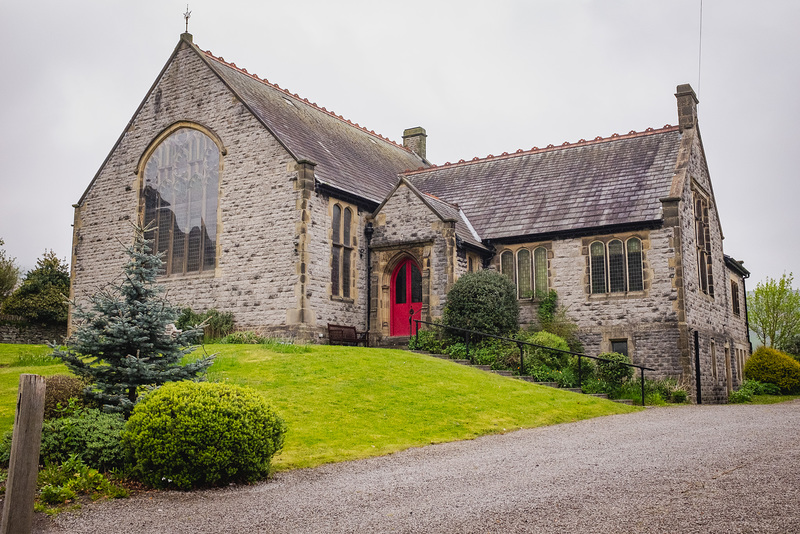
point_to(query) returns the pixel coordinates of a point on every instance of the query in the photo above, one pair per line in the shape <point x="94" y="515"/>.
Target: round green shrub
<point x="91" y="435"/>
<point x="535" y="356"/>
<point x="611" y="370"/>
<point x="485" y="301"/>
<point x="58" y="392"/>
<point x="188" y="434"/>
<point x="773" y="367"/>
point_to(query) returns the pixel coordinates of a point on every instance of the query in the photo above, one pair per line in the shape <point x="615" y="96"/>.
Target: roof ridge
<point x="550" y="148"/>
<point x="314" y="105"/>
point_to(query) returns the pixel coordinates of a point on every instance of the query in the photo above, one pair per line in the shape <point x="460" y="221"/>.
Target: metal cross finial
<point x="186" y="16"/>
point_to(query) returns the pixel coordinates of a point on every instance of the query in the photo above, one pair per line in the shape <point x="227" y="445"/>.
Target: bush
<point x="485" y="301"/>
<point x="774" y="367"/>
<point x="587" y="367"/>
<point x="243" y="337"/>
<point x="217" y="324"/>
<point x="88" y="434"/>
<point x="752" y="387"/>
<point x="58" y="392"/>
<point x="611" y="369"/>
<point x="62" y="482"/>
<point x="188" y="434"/>
<point x="42" y="296"/>
<point x="427" y="340"/>
<point x="535" y="356"/>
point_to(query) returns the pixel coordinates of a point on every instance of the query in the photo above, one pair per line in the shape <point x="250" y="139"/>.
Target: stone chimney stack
<point x="414" y="140"/>
<point x="687" y="106"/>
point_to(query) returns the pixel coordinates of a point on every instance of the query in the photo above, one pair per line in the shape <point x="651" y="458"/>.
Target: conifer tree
<point x="125" y="340"/>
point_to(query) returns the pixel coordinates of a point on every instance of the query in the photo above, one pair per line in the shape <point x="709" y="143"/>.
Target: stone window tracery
<point x="703" y="243"/>
<point x="180" y="190"/>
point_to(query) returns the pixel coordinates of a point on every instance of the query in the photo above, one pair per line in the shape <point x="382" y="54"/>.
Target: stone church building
<point x="291" y="217"/>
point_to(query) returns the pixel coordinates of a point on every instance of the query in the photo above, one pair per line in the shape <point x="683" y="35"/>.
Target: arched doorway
<point x="406" y="295"/>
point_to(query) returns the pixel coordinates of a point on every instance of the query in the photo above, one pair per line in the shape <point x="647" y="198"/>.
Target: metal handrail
<point x="520" y="343"/>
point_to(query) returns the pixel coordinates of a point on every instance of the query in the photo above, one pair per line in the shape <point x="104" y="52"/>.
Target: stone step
<point x="503" y="373"/>
<point x="482" y="367"/>
<point x="462" y="362"/>
<point x="572" y="390"/>
<point x="548" y="384"/>
<point x="599" y="395"/>
<point x="526" y="378"/>
<point x="629" y="402"/>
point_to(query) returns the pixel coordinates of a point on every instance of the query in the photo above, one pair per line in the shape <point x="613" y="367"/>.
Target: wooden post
<point x="24" y="461"/>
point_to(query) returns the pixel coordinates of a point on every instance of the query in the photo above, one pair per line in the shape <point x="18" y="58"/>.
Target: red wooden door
<point x="406" y="296"/>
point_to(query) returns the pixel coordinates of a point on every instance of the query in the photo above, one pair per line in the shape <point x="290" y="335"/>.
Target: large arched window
<point x="180" y="191"/>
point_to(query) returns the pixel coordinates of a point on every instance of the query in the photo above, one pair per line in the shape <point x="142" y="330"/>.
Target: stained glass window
<point x="524" y="274"/>
<point x="540" y="271"/>
<point x="180" y="190"/>
<point x="635" y="276"/>
<point x="507" y="264"/>
<point x="597" y="255"/>
<point x="341" y="251"/>
<point x="616" y="266"/>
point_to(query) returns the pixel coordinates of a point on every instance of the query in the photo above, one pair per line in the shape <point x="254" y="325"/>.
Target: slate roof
<point x="464" y="229"/>
<point x="604" y="182"/>
<point x="348" y="157"/>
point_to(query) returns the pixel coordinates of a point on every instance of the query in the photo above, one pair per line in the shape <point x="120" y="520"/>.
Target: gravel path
<point x="683" y="469"/>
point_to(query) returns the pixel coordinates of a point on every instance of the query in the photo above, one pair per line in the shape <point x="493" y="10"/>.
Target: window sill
<point x="618" y="295"/>
<point x="211" y="273"/>
<point x="347" y="300"/>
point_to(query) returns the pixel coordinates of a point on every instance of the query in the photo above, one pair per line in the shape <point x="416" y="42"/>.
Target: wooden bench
<point x="346" y="335"/>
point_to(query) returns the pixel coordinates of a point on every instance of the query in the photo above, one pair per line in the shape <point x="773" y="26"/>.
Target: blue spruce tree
<point x="124" y="342"/>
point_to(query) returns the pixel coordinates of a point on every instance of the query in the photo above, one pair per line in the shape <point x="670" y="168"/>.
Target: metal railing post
<point x="411" y="321"/>
<point x="466" y="342"/>
<point x="521" y="359"/>
<point x="416" y="334"/>
<point x="642" y="370"/>
<point x="579" y="373"/>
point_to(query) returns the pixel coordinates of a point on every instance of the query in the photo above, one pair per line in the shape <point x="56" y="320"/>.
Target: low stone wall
<point x="16" y="330"/>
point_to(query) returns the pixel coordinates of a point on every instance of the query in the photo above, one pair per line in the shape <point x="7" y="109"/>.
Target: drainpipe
<point x="698" y="382"/>
<point x="746" y="316"/>
<point x="368" y="231"/>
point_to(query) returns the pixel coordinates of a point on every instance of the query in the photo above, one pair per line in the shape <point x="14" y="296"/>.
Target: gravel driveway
<point x="684" y="469"/>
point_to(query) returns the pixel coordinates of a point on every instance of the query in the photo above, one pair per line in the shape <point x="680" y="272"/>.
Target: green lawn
<point x="344" y="403"/>
<point x="16" y="360"/>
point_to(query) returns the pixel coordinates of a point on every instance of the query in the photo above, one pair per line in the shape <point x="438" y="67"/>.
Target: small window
<point x="619" y="346"/>
<point x="714" y="360"/>
<point x="507" y="264"/>
<point x="616" y="266"/>
<point x="597" y="253"/>
<point x="524" y="274"/>
<point x="735" y="298"/>
<point x="341" y="251"/>
<point x="635" y="270"/>
<point x="702" y="233"/>
<point x="540" y="271"/>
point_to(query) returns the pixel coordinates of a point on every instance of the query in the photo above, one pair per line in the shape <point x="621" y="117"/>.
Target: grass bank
<point x="343" y="403"/>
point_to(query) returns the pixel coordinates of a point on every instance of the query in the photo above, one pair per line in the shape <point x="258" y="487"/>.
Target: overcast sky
<point x="481" y="77"/>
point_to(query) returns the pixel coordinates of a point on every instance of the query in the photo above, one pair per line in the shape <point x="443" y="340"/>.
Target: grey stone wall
<point x="255" y="275"/>
<point x="16" y="330"/>
<point x="647" y="319"/>
<point x="406" y="227"/>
